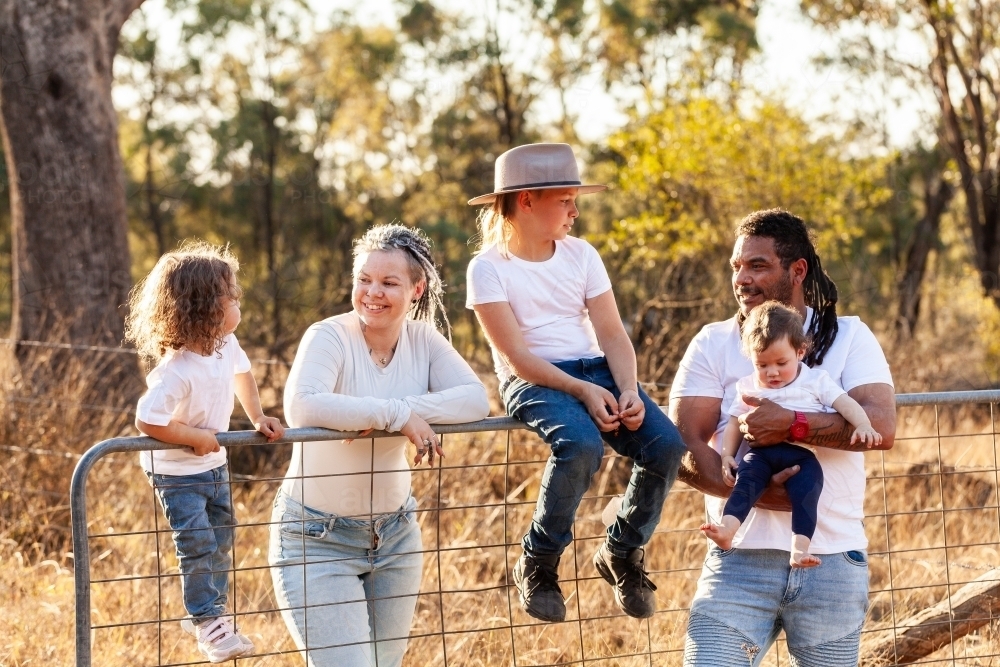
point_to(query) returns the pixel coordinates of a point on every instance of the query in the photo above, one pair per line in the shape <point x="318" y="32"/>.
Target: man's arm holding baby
<point x="769" y="423"/>
<point x="697" y="417"/>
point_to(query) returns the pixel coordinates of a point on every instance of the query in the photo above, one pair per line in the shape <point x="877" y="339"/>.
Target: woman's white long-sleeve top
<point x="335" y="384"/>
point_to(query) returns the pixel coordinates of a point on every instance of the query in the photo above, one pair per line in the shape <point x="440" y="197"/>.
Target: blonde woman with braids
<point x="345" y="549"/>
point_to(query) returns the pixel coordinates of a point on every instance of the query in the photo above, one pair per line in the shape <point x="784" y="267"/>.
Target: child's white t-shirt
<point x="548" y="298"/>
<point x="712" y="367"/>
<point x="195" y="390"/>
<point x="812" y="390"/>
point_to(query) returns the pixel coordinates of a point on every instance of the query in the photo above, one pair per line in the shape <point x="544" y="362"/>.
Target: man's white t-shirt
<point x="195" y="390"/>
<point x="548" y="298"/>
<point x="713" y="365"/>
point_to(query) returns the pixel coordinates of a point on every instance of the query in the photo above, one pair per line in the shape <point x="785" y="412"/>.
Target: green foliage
<point x="684" y="177"/>
<point x="692" y="171"/>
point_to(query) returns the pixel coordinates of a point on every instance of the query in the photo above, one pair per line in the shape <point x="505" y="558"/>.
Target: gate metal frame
<point x="78" y="487"/>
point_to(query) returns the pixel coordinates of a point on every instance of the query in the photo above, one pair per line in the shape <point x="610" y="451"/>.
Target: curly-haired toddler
<point x="183" y="316"/>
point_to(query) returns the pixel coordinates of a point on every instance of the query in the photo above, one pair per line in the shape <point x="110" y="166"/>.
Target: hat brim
<point x="581" y="189"/>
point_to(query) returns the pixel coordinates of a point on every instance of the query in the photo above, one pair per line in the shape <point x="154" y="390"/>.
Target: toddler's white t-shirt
<point x="812" y="390"/>
<point x="195" y="390"/>
<point x="548" y="298"/>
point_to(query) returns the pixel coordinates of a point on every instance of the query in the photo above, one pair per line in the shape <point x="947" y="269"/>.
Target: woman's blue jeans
<point x="347" y="588"/>
<point x="577" y="446"/>
<point x="199" y="509"/>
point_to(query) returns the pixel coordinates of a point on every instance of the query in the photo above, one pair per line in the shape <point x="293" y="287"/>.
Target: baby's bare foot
<point x="721" y="534"/>
<point x="800" y="556"/>
<point x="804" y="560"/>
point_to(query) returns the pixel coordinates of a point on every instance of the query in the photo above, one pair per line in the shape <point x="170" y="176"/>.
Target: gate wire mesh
<point x="933" y="522"/>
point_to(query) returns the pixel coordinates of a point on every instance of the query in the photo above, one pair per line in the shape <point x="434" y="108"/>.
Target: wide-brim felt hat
<point x="536" y="167"/>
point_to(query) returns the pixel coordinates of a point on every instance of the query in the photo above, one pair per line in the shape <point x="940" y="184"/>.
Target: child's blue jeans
<point x="577" y="446"/>
<point x="199" y="509"/>
<point x="803" y="488"/>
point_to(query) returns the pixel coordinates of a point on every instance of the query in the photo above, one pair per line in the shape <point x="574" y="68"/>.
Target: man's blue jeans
<point x="746" y="597"/>
<point x="199" y="509"/>
<point x="577" y="446"/>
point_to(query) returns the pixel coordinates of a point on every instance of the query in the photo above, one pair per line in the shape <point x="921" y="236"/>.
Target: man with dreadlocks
<point x="747" y="594"/>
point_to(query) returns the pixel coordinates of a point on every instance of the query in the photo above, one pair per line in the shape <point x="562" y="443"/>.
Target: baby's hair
<point x="416" y="247"/>
<point x="180" y="303"/>
<point x="495" y="228"/>
<point x="770" y="322"/>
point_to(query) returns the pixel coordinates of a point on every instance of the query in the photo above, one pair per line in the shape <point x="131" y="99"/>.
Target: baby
<point x="774" y="340"/>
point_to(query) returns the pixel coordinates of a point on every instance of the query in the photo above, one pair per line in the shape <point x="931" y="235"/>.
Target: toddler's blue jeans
<point x="199" y="509"/>
<point x="577" y="446"/>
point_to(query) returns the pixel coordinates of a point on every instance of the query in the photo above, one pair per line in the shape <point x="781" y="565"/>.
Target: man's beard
<point x="780" y="291"/>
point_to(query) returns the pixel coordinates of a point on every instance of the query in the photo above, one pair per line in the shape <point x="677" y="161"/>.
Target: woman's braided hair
<point x="792" y="242"/>
<point x="417" y="248"/>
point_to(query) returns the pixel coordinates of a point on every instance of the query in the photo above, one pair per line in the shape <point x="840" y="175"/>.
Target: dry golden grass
<point x="941" y="530"/>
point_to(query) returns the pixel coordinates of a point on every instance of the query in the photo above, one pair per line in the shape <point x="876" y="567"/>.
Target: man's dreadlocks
<point x="792" y="242"/>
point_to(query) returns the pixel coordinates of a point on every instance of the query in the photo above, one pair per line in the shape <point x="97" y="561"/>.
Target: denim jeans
<point x="199" y="509"/>
<point x="745" y="597"/>
<point x="577" y="449"/>
<point x="347" y="588"/>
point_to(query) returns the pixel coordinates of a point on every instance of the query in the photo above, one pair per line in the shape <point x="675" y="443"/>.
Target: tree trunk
<point x="938" y="194"/>
<point x="971" y="607"/>
<point x="60" y="132"/>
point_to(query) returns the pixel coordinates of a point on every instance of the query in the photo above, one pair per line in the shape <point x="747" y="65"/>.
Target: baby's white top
<point x="196" y="390"/>
<point x="813" y="390"/>
<point x="713" y="365"/>
<point x="548" y="298"/>
<point x="335" y="384"/>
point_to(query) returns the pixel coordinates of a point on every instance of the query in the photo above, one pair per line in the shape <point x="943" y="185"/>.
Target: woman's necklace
<point x="381" y="361"/>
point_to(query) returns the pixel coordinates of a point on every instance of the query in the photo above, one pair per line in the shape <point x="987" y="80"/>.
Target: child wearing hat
<point x="567" y="369"/>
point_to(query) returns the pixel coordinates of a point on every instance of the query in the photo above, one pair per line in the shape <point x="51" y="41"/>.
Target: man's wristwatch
<point x="799" y="430"/>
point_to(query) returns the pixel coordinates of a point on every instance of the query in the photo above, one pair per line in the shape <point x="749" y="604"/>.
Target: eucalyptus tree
<point x="60" y="134"/>
<point x="960" y="65"/>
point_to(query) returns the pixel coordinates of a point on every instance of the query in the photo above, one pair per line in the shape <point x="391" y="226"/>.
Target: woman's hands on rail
<point x="424" y="439"/>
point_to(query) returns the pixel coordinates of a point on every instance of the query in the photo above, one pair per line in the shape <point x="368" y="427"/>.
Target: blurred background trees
<point x="285" y="129"/>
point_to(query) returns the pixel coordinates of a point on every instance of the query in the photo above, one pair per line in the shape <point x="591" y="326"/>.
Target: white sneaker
<point x="218" y="638"/>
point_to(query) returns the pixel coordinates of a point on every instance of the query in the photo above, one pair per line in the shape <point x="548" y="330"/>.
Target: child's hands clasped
<point x="601" y="405"/>
<point x="729" y="466"/>
<point x="631" y="409"/>
<point x="270" y="427"/>
<point x="868" y="435"/>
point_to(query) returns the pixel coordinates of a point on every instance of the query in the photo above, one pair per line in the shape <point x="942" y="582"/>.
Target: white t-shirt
<point x="812" y="390"/>
<point x="195" y="390"/>
<point x="548" y="298"/>
<point x="333" y="383"/>
<point x="713" y="365"/>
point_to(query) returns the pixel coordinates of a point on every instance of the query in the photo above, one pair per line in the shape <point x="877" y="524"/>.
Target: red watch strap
<point x="799" y="430"/>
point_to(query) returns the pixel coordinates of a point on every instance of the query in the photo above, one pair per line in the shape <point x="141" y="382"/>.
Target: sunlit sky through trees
<point x="829" y="97"/>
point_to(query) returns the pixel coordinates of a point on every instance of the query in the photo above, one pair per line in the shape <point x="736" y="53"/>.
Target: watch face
<point x="799" y="430"/>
